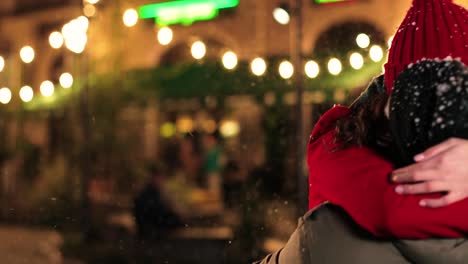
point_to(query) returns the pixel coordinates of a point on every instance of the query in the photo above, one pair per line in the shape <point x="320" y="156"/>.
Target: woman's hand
<point x="440" y="169"/>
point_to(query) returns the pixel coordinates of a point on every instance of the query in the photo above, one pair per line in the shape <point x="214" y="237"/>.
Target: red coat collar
<point x="327" y="121"/>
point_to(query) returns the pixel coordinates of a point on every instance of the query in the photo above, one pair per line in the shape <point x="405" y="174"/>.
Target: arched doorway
<point x="181" y="52"/>
<point x="340" y="39"/>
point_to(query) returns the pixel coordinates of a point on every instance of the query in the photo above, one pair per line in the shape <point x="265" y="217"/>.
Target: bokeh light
<point x="229" y="128"/>
<point x="184" y="125"/>
<point x="168" y="130"/>
<point x="312" y="69"/>
<point x="356" y="61"/>
<point x="286" y="70"/>
<point x="82" y="23"/>
<point x="89" y="10"/>
<point x="165" y="35"/>
<point x="258" y="66"/>
<point x="376" y="53"/>
<point x="74" y="33"/>
<point x="5" y="95"/>
<point x="2" y="63"/>
<point x="334" y="66"/>
<point x="66" y="80"/>
<point x="93" y="2"/>
<point x="56" y="40"/>
<point x="130" y="17"/>
<point x="47" y="88"/>
<point x="27" y="54"/>
<point x="198" y="50"/>
<point x="281" y="16"/>
<point x="363" y="40"/>
<point x="229" y="60"/>
<point x="26" y="94"/>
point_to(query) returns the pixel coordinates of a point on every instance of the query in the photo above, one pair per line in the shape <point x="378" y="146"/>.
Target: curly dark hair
<point x="366" y="125"/>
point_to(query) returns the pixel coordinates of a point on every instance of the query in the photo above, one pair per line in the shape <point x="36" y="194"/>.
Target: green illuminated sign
<point x="184" y="11"/>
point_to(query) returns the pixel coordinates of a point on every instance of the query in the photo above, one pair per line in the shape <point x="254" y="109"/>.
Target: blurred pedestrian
<point x="212" y="164"/>
<point x="154" y="215"/>
<point x="233" y="184"/>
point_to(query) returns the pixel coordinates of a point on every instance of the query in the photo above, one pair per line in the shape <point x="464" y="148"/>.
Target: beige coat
<point x="328" y="235"/>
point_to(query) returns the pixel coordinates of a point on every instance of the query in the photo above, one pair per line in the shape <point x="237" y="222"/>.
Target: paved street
<point x="19" y="245"/>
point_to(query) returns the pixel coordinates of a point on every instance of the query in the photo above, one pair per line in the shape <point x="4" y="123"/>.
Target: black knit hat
<point x="428" y="105"/>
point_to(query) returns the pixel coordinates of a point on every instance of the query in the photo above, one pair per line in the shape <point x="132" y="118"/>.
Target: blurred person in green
<point x="212" y="163"/>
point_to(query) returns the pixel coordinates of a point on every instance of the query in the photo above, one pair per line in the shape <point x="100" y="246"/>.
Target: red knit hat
<point x="431" y="29"/>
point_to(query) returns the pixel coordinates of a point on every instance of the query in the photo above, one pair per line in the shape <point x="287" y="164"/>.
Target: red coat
<point x="356" y="179"/>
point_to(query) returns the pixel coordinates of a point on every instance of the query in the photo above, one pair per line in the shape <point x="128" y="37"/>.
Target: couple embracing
<point x="389" y="175"/>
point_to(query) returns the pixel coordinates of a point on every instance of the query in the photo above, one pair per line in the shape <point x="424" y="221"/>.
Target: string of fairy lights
<point x="73" y="35"/>
<point x="258" y="65"/>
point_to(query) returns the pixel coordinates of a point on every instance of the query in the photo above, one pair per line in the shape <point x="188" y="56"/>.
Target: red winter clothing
<point x="356" y="179"/>
<point x="431" y="29"/>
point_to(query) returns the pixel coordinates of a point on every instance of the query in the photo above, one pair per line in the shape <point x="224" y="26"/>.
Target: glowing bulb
<point x="47" y="88"/>
<point x="56" y="40"/>
<point x="258" y="66"/>
<point x="363" y="40"/>
<point x="281" y="16"/>
<point x="66" y="80"/>
<point x="198" y="50"/>
<point x="184" y="124"/>
<point x="130" y="17"/>
<point x="27" y="54"/>
<point x="93" y="2"/>
<point x="76" y="42"/>
<point x="5" y="95"/>
<point x="26" y="94"/>
<point x="286" y="70"/>
<point x="376" y="53"/>
<point x="356" y="60"/>
<point x="312" y="69"/>
<point x="89" y="10"/>
<point x="230" y="60"/>
<point x="76" y="26"/>
<point x="229" y="128"/>
<point x="165" y="36"/>
<point x="2" y="63"/>
<point x="67" y="30"/>
<point x="334" y="66"/>
<point x="82" y="23"/>
<point x="74" y="33"/>
<point x="168" y="129"/>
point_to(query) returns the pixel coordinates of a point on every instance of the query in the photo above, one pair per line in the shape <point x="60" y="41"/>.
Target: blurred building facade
<point x="249" y="30"/>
